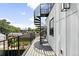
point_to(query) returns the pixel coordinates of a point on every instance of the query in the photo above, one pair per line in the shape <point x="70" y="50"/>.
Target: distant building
<point x="2" y="37"/>
<point x="15" y="34"/>
<point x="23" y="31"/>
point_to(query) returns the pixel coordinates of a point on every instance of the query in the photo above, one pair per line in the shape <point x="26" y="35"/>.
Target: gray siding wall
<point x="66" y="30"/>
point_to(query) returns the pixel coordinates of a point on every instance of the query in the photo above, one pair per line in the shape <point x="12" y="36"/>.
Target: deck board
<point x="39" y="50"/>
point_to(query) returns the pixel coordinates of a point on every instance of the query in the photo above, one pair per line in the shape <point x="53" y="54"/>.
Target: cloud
<point x="23" y="13"/>
<point x="31" y="26"/>
<point x="37" y="1"/>
<point x="14" y="23"/>
<point x="24" y="26"/>
<point x="32" y="19"/>
<point x="8" y="19"/>
<point x="33" y="5"/>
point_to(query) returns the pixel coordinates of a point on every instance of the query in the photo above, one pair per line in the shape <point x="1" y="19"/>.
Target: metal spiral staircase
<point x="42" y="10"/>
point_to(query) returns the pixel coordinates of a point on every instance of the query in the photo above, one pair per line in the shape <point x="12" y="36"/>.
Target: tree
<point x="29" y="29"/>
<point x="5" y="27"/>
<point x="37" y="30"/>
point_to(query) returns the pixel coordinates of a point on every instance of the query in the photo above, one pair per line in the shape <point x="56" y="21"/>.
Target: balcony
<point x="43" y="9"/>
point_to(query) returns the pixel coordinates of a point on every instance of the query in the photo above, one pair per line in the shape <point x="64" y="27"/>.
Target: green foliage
<point x="37" y="30"/>
<point x="6" y="27"/>
<point x="22" y="41"/>
<point x="29" y="29"/>
<point x="14" y="29"/>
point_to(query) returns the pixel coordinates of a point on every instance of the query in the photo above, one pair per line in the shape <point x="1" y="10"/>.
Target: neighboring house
<point x="15" y="34"/>
<point x="28" y="35"/>
<point x="24" y="31"/>
<point x="2" y="37"/>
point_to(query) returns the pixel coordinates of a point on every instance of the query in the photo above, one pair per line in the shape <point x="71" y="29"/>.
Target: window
<point x="51" y="27"/>
<point x="65" y="6"/>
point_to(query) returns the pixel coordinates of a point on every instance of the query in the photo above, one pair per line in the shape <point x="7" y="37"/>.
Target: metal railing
<point x="43" y="8"/>
<point x="13" y="46"/>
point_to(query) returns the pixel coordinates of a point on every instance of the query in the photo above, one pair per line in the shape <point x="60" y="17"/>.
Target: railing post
<point x="8" y="46"/>
<point x="14" y="47"/>
<point x="4" y="46"/>
<point x="30" y="38"/>
<point x="18" y="46"/>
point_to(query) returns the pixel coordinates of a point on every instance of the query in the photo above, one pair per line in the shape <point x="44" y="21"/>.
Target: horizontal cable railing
<point x="15" y="46"/>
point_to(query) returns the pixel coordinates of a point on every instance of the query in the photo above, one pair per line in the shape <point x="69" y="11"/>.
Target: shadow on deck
<point x="44" y="46"/>
<point x="36" y="49"/>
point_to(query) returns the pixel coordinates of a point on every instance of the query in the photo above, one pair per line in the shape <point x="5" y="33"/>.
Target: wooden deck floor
<point x="39" y="50"/>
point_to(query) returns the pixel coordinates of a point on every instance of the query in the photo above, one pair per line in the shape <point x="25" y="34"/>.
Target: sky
<point x="19" y="14"/>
